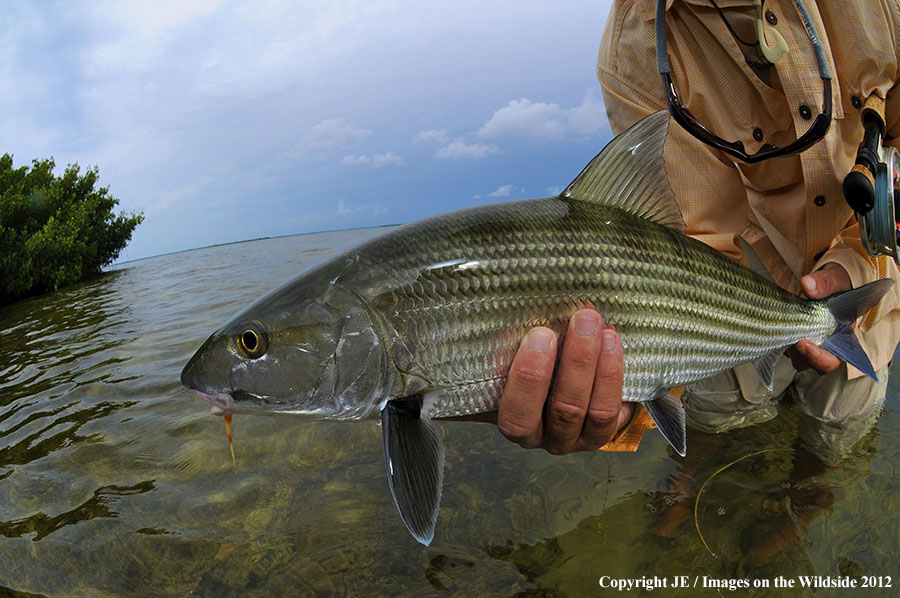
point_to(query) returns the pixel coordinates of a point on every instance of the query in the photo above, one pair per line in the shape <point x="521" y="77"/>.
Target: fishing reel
<point x="872" y="188"/>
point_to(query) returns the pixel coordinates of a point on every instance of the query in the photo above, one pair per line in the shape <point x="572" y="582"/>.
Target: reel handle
<point x="859" y="184"/>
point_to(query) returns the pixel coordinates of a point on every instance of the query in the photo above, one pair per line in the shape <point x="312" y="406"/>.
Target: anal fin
<point x="668" y="415"/>
<point x="414" y="458"/>
<point x="765" y="367"/>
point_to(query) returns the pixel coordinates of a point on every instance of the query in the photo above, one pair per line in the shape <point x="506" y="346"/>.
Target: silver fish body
<point x="452" y="326"/>
<point x="425" y="320"/>
<point x="683" y="310"/>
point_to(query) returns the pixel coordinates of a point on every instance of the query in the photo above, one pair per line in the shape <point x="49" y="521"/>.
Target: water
<point x="114" y="481"/>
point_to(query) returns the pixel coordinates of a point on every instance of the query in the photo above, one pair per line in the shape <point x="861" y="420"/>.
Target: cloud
<point x="589" y="117"/>
<point x="435" y="135"/>
<point x="458" y="149"/>
<point x="524" y="117"/>
<point x="188" y="191"/>
<point x="149" y="20"/>
<point x="354" y="159"/>
<point x="333" y="132"/>
<point x="373" y="209"/>
<point x="502" y="191"/>
<point x="379" y="160"/>
<point x="342" y="209"/>
<point x="376" y="161"/>
<point x="541" y="120"/>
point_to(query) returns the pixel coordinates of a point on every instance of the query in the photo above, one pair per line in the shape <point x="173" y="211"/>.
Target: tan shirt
<point x="791" y="210"/>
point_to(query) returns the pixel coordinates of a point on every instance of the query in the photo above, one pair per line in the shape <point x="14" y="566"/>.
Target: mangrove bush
<point x="55" y="230"/>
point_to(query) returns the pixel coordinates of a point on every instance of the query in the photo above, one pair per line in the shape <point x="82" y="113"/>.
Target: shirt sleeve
<point x="847" y="251"/>
<point x="892" y="102"/>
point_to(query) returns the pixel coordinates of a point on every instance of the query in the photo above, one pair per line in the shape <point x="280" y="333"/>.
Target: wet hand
<point x="820" y="284"/>
<point x="585" y="409"/>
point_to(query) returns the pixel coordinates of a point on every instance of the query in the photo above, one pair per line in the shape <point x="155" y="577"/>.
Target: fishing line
<point x="720" y="470"/>
<point x="230" y="443"/>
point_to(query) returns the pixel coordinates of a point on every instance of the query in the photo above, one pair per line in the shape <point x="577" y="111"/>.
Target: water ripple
<point x="114" y="481"/>
<point x="98" y="505"/>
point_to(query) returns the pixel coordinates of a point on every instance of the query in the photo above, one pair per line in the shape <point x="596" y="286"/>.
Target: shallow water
<point x="114" y="481"/>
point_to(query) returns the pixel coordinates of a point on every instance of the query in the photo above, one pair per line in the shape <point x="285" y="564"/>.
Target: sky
<point x="225" y="121"/>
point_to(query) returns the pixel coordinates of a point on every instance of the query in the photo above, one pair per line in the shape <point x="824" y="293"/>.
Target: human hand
<point x="820" y="284"/>
<point x="585" y="409"/>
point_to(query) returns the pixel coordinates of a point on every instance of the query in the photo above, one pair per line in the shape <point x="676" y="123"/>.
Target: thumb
<point x="825" y="282"/>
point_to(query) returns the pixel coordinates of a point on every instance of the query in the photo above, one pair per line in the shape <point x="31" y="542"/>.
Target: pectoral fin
<point x="668" y="415"/>
<point x="414" y="457"/>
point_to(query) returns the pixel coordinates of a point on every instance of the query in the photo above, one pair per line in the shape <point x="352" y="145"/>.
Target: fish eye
<point x="252" y="341"/>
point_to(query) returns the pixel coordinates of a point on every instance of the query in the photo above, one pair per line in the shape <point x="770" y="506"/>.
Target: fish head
<point x="308" y="348"/>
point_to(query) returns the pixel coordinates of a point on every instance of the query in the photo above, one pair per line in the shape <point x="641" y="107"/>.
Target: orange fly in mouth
<point x="227" y="418"/>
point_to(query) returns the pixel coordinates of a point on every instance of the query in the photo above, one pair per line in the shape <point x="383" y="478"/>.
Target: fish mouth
<point x="221" y="402"/>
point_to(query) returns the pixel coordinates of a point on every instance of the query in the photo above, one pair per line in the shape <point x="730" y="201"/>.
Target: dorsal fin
<point x="755" y="262"/>
<point x="629" y="174"/>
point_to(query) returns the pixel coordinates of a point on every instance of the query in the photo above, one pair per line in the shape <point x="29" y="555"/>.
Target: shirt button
<point x="758" y="134"/>
<point x="857" y="103"/>
<point x="819" y="200"/>
<point x="805" y="112"/>
<point x="771" y="18"/>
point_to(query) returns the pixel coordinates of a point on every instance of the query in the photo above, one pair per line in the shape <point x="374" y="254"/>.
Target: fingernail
<point x="539" y="340"/>
<point x="811" y="284"/>
<point x="609" y="341"/>
<point x="586" y="322"/>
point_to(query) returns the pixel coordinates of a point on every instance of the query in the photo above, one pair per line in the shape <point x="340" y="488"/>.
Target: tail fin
<point x="846" y="308"/>
<point x="844" y="344"/>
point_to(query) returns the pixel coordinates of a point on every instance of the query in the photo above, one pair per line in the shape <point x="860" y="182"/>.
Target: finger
<point x="817" y="358"/>
<point x="626" y="412"/>
<point x="605" y="411"/>
<point x="797" y="360"/>
<point x="831" y="279"/>
<point x="574" y="382"/>
<point x="521" y="410"/>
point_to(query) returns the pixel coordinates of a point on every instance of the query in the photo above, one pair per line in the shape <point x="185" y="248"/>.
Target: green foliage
<point x="55" y="230"/>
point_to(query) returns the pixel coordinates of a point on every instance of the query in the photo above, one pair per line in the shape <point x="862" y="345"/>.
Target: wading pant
<point x="836" y="412"/>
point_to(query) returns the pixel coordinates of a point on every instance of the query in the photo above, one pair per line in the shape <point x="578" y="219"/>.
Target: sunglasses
<point x="689" y="122"/>
<point x="692" y="125"/>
